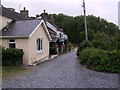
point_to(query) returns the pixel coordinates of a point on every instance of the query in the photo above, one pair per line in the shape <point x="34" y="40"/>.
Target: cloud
<point x="107" y="9"/>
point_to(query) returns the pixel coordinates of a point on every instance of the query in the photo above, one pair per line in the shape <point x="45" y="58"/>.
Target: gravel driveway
<point x="63" y="71"/>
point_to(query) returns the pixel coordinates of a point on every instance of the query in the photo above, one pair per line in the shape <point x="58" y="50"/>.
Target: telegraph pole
<point x="85" y="23"/>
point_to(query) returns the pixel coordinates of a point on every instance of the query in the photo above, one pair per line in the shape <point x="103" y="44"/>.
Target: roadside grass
<point x="8" y="71"/>
<point x="11" y="71"/>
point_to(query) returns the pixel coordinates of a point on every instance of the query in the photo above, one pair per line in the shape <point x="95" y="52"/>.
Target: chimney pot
<point x="44" y="10"/>
<point x="24" y="8"/>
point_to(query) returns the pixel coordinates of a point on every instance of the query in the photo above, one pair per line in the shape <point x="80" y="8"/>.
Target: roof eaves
<point x="17" y="37"/>
<point x="48" y="34"/>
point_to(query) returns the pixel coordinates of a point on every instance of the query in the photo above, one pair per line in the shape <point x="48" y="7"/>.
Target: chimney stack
<point x="44" y="15"/>
<point x="24" y="12"/>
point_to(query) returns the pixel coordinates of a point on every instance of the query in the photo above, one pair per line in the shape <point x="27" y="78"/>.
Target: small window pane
<point x="12" y="40"/>
<point x="41" y="44"/>
<point x="11" y="45"/>
<point x="37" y="44"/>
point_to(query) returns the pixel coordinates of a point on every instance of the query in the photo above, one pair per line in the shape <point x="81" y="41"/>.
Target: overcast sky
<point x="107" y="9"/>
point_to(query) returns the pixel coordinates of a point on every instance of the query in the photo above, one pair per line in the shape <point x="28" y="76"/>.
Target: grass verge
<point x="10" y="71"/>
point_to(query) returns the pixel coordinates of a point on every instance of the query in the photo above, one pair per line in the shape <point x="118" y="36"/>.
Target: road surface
<point x="63" y="71"/>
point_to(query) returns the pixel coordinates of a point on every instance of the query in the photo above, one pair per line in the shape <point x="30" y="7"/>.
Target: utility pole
<point x="85" y="23"/>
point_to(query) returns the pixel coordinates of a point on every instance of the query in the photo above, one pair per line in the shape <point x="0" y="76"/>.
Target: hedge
<point x="84" y="44"/>
<point x="53" y="51"/>
<point x="12" y="56"/>
<point x="101" y="60"/>
<point x="106" y="45"/>
<point x="99" y="44"/>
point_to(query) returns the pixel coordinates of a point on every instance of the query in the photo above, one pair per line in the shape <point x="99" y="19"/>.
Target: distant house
<point x="30" y="35"/>
<point x="8" y="15"/>
<point x="59" y="38"/>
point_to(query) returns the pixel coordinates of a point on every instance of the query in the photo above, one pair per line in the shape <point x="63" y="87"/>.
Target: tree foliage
<point x="74" y="27"/>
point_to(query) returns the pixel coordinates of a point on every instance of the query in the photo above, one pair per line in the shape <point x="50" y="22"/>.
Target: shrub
<point x="12" y="56"/>
<point x="118" y="46"/>
<point x="101" y="36"/>
<point x="83" y="45"/>
<point x="106" y="45"/>
<point x="114" y="60"/>
<point x="53" y="50"/>
<point x="101" y="60"/>
<point x="84" y="56"/>
<point x="98" y="44"/>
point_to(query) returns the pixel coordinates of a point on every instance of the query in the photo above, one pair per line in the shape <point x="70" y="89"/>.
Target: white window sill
<point x="40" y="52"/>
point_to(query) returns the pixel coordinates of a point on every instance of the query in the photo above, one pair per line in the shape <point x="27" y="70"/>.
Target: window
<point x="39" y="44"/>
<point x="12" y="43"/>
<point x="60" y="35"/>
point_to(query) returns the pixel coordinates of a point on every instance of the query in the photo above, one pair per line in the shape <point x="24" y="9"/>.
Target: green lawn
<point x="9" y="71"/>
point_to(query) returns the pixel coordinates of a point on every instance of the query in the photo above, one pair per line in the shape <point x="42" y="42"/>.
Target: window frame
<point x="12" y="42"/>
<point x="39" y="42"/>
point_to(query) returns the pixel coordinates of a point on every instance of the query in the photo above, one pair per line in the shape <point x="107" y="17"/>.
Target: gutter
<point x="16" y="37"/>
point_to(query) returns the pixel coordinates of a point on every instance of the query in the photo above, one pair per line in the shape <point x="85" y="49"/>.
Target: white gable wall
<point x="34" y="55"/>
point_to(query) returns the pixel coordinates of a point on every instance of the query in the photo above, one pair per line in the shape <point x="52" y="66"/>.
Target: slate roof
<point x="12" y="14"/>
<point x="54" y="40"/>
<point x="21" y="28"/>
<point x="49" y="25"/>
<point x="54" y="25"/>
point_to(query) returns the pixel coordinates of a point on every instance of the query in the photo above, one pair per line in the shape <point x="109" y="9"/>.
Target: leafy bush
<point x="100" y="36"/>
<point x="83" y="45"/>
<point x="98" y="44"/>
<point x="12" y="56"/>
<point x="84" y="55"/>
<point x="118" y="46"/>
<point x="106" y="45"/>
<point x="101" y="60"/>
<point x="53" y="50"/>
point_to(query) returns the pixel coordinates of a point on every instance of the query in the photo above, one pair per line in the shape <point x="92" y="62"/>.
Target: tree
<point x="74" y="27"/>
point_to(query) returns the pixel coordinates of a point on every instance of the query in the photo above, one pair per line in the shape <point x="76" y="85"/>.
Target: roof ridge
<point x="12" y="14"/>
<point x="11" y="10"/>
<point x="30" y="20"/>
